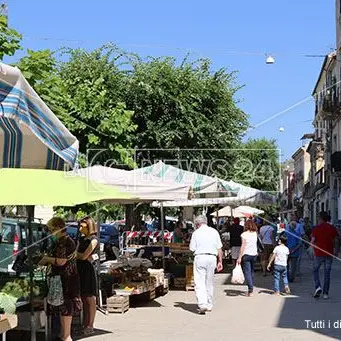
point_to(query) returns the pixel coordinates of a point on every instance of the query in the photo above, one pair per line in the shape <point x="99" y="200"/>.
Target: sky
<point x="233" y="34"/>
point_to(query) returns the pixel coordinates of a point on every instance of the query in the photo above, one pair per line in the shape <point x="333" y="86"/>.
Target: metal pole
<point x="163" y="235"/>
<point x="30" y="217"/>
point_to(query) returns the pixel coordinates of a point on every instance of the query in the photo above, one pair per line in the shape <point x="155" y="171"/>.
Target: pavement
<point x="235" y="316"/>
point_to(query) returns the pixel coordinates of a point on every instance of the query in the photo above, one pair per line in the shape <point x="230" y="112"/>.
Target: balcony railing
<point x="336" y="162"/>
<point x="330" y="107"/>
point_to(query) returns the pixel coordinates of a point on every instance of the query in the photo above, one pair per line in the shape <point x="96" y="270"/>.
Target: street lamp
<point x="270" y="59"/>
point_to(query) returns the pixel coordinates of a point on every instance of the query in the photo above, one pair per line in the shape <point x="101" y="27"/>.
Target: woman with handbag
<point x="86" y="258"/>
<point x="248" y="253"/>
<point x="64" y="290"/>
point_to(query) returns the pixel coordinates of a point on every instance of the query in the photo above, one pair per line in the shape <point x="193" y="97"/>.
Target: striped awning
<point x="203" y="185"/>
<point x="31" y="136"/>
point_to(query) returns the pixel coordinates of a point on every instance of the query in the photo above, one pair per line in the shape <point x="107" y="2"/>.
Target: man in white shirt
<point x="206" y="245"/>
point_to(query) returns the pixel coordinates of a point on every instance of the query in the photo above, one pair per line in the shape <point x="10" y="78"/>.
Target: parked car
<point x="14" y="238"/>
<point x="110" y="237"/>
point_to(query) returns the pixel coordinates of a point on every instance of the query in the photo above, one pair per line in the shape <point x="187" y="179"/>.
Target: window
<point x="8" y="233"/>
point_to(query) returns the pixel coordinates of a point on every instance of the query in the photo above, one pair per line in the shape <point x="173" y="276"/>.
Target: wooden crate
<point x="190" y="287"/>
<point x="189" y="274"/>
<point x="179" y="283"/>
<point x="118" y="304"/>
<point x="152" y="294"/>
<point x="166" y="283"/>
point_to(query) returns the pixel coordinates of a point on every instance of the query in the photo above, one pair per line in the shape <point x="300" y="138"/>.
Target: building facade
<point x="301" y="177"/>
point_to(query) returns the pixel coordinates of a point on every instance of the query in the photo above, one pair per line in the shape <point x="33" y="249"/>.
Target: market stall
<point x="132" y="278"/>
<point x="36" y="187"/>
<point x="31" y="136"/>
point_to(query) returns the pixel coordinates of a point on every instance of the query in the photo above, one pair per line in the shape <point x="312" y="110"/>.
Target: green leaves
<point x="9" y="39"/>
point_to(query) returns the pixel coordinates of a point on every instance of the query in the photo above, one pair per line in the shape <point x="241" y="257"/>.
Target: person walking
<point x="248" y="254"/>
<point x="300" y="231"/>
<point x="266" y="235"/>
<point x="235" y="230"/>
<point x="294" y="244"/>
<point x="324" y="238"/>
<point x="280" y="258"/>
<point x="207" y="246"/>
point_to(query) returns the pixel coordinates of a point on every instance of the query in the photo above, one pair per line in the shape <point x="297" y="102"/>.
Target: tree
<point x="93" y="107"/>
<point x="184" y="112"/>
<point x="257" y="164"/>
<point x="9" y="38"/>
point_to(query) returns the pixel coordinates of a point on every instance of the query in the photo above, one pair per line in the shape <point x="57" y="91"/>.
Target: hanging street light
<point x="270" y="59"/>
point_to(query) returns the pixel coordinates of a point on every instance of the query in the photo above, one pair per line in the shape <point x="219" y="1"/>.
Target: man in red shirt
<point x="323" y="237"/>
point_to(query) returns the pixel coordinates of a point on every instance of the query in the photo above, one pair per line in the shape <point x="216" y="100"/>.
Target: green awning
<point x="53" y="188"/>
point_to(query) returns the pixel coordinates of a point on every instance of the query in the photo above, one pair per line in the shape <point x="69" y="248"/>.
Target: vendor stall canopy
<point x="144" y="186"/>
<point x="31" y="136"/>
<point x="53" y="188"/>
<point x="207" y="190"/>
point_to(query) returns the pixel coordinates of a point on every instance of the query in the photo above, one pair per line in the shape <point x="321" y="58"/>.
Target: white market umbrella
<point x="31" y="136"/>
<point x="247" y="211"/>
<point x="228" y="211"/>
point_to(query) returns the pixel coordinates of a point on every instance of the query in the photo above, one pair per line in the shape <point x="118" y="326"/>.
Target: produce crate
<point x="189" y="275"/>
<point x="179" y="283"/>
<point x="152" y="294"/>
<point x="118" y="304"/>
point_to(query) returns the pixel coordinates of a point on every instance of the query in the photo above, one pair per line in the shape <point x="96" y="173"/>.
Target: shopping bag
<point x="237" y="275"/>
<point x="55" y="295"/>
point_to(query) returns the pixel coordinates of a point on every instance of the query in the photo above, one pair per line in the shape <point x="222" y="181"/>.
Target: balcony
<point x="330" y="107"/>
<point x="319" y="180"/>
<point x="307" y="191"/>
<point x="336" y="162"/>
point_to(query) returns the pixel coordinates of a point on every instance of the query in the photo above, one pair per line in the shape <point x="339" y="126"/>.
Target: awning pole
<point x="163" y="235"/>
<point x="30" y="218"/>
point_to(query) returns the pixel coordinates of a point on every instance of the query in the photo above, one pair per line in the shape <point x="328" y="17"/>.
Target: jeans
<point x="280" y="271"/>
<point x="248" y="266"/>
<point x="327" y="261"/>
<point x="300" y="254"/>
<point x="292" y="266"/>
<point x="204" y="267"/>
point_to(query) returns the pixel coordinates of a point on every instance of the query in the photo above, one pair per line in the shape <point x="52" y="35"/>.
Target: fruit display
<point x="20" y="288"/>
<point x="7" y="303"/>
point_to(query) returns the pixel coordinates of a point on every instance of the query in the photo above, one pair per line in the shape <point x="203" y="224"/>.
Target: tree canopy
<point x="9" y="38"/>
<point x="117" y="103"/>
<point x="184" y="110"/>
<point x="258" y="164"/>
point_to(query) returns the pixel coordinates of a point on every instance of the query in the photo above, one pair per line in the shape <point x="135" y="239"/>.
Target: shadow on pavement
<point x="234" y="292"/>
<point x="192" y="308"/>
<point x="303" y="312"/>
<point x="150" y="304"/>
<point x="97" y="332"/>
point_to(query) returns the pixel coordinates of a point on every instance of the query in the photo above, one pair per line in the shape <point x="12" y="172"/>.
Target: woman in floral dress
<point x="63" y="263"/>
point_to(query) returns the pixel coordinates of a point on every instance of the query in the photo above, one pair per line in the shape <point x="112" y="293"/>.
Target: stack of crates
<point x="118" y="304"/>
<point x="189" y="277"/>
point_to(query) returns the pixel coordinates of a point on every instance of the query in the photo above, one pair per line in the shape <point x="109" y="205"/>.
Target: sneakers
<point x="287" y="290"/>
<point x="325" y="296"/>
<point x="277" y="293"/>
<point x="202" y="311"/>
<point x="318" y="292"/>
